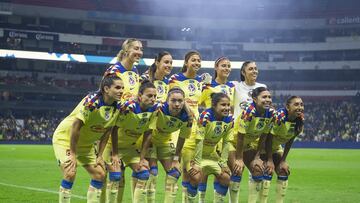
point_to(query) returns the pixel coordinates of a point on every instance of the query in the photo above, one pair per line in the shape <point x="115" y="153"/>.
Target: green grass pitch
<point x="29" y="173"/>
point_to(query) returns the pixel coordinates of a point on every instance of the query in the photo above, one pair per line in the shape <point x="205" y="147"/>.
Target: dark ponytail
<point x="217" y="63"/>
<point x="144" y="85"/>
<point x="187" y="57"/>
<point x="216" y="97"/>
<point x="299" y="121"/>
<point x="153" y="67"/>
<point x="256" y="92"/>
<point x="242" y="77"/>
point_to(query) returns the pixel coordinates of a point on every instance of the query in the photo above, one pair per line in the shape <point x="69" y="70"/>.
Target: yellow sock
<point x="103" y="197"/>
<point x="93" y="195"/>
<point x="112" y="191"/>
<point x="264" y="192"/>
<point x="171" y="189"/>
<point x="184" y="191"/>
<point x="234" y="189"/>
<point x="140" y="191"/>
<point x="202" y="192"/>
<point x="202" y="195"/>
<point x="151" y="189"/>
<point x="218" y="198"/>
<point x="64" y="195"/>
<point x="133" y="185"/>
<point x="121" y="190"/>
<point x="281" y="186"/>
<point x="254" y="188"/>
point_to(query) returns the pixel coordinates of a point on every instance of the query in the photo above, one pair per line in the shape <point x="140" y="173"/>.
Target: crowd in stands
<point x="31" y="128"/>
<point x="325" y="121"/>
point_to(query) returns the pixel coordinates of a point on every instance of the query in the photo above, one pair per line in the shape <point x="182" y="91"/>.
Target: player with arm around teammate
<point x="289" y="123"/>
<point x="250" y="132"/>
<point x="134" y="137"/>
<point x="74" y="138"/>
<point x="157" y="74"/>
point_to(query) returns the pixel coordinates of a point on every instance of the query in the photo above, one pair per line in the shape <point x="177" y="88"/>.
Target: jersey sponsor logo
<point x="97" y="128"/>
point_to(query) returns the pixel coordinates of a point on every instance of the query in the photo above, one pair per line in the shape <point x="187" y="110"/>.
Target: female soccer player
<point x="219" y="84"/>
<point x="251" y="128"/>
<point x="171" y="117"/>
<point x="133" y="125"/>
<point x="157" y="73"/>
<point x="190" y="83"/>
<point x="243" y="89"/>
<point x="289" y="123"/>
<point x="215" y="124"/>
<point x="130" y="53"/>
<point x="74" y="138"/>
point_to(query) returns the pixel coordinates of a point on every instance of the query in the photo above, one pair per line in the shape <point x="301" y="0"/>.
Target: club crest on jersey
<point x="143" y="121"/>
<point x="260" y="124"/>
<point x="170" y="124"/>
<point x="107" y="115"/>
<point x="218" y="130"/>
<point x="191" y="87"/>
<point x="131" y="80"/>
<point x="160" y="90"/>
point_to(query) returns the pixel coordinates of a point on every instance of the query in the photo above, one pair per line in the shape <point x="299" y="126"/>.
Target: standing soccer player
<point x="251" y="127"/>
<point x="243" y="89"/>
<point x="157" y="74"/>
<point x="215" y="124"/>
<point x="190" y="83"/>
<point x="134" y="137"/>
<point x="289" y="123"/>
<point x="130" y="53"/>
<point x="74" y="138"/>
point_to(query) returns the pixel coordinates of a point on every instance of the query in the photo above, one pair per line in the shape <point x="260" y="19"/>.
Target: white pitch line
<point x="40" y="190"/>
